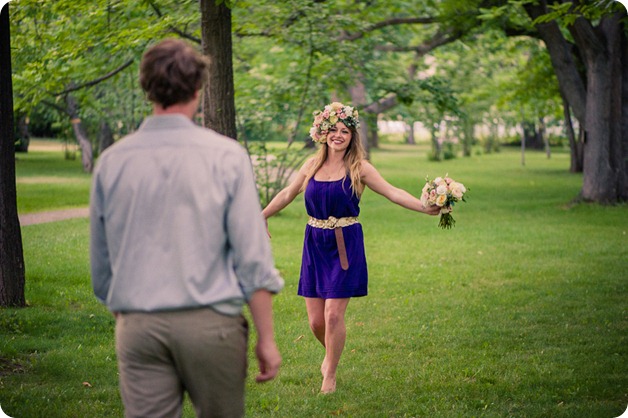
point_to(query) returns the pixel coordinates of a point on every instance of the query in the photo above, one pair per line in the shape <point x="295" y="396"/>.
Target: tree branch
<point x="570" y="82"/>
<point x="385" y="23"/>
<point x="585" y="36"/>
<point x="391" y="100"/>
<point x="381" y="105"/>
<point x="96" y="81"/>
<point x="61" y="109"/>
<point x="172" y="28"/>
<point x="441" y="38"/>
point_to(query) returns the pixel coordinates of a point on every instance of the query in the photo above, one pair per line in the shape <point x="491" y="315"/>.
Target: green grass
<point x="47" y="181"/>
<point x="520" y="310"/>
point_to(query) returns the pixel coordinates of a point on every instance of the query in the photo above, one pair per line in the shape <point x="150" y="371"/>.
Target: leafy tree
<point x="66" y="48"/>
<point x="587" y="45"/>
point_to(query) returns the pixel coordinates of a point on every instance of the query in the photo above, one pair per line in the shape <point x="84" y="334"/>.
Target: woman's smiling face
<point x="339" y="137"/>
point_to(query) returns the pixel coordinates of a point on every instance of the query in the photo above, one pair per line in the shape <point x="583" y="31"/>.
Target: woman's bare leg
<point x="335" y="337"/>
<point x="316" y="317"/>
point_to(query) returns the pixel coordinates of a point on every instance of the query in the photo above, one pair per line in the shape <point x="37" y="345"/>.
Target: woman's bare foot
<point x="329" y="385"/>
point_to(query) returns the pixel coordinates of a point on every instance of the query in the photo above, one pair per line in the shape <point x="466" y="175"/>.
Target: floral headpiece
<point x="330" y="115"/>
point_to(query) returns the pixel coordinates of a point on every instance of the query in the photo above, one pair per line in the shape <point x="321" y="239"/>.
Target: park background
<point x="517" y="311"/>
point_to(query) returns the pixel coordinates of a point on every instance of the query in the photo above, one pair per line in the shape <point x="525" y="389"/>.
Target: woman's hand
<point x="431" y="210"/>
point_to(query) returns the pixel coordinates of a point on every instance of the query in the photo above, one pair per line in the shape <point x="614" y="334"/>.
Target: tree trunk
<point x="218" y="98"/>
<point x="544" y="138"/>
<point x="373" y="133"/>
<point x="575" y="145"/>
<point x="12" y="276"/>
<point x="105" y="137"/>
<point x="603" y="168"/>
<point x="87" y="155"/>
<point x="532" y="137"/>
<point x="523" y="145"/>
<point x="437" y="151"/>
<point x="623" y="188"/>
<point x="410" y="130"/>
<point x="358" y="100"/>
<point x="23" y="134"/>
<point x="569" y="79"/>
<point x="468" y="136"/>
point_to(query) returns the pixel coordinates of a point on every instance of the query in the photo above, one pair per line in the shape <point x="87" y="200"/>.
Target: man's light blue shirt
<point x="176" y="222"/>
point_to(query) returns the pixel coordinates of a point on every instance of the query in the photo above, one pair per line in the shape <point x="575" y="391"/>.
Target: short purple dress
<point x="321" y="273"/>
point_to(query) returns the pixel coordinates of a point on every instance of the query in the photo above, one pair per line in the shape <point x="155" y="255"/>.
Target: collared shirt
<point x="176" y="222"/>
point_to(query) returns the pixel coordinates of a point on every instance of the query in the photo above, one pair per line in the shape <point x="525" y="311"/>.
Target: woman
<point x="333" y="268"/>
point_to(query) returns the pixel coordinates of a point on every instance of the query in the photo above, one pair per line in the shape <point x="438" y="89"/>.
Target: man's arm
<point x="266" y="350"/>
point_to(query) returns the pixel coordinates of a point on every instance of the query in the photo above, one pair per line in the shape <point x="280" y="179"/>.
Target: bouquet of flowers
<point x="443" y="192"/>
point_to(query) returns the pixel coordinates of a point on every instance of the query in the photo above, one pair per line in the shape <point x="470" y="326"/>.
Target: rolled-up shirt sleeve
<point x="99" y="254"/>
<point x="248" y="238"/>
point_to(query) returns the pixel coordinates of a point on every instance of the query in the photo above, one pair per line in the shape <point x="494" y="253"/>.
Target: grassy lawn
<point x="48" y="181"/>
<point x="518" y="311"/>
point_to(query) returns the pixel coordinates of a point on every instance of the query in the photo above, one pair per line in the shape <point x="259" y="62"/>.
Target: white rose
<point x="457" y="190"/>
<point x="441" y="190"/>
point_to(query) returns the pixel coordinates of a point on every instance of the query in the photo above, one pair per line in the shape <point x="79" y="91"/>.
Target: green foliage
<point x="292" y="57"/>
<point x="518" y="311"/>
<point x="274" y="167"/>
<point x="567" y="13"/>
<point x="64" y="44"/>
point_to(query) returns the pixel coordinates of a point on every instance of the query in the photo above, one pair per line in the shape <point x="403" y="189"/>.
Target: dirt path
<point x="52" y="216"/>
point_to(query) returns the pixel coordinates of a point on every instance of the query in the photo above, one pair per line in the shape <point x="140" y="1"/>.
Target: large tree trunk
<point x="604" y="171"/>
<point x="218" y="98"/>
<point x="12" y="275"/>
<point x="599" y="108"/>
<point x="623" y="190"/>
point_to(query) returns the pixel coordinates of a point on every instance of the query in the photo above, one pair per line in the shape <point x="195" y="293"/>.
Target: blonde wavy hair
<point x="354" y="155"/>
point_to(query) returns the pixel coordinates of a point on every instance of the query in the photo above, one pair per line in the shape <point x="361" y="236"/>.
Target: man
<point x="178" y="246"/>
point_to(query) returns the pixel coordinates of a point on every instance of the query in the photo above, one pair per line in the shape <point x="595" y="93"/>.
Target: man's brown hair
<point x="172" y="71"/>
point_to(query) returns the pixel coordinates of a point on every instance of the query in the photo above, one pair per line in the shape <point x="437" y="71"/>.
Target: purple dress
<point x="321" y="273"/>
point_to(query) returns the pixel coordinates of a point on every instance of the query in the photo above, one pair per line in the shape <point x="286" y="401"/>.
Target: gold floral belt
<point x="336" y="224"/>
<point x="332" y="222"/>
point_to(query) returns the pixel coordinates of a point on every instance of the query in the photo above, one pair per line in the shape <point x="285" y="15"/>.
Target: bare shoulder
<point x="307" y="165"/>
<point x="366" y="169"/>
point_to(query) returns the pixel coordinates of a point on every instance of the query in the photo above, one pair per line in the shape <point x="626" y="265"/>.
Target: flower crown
<point x="330" y="115"/>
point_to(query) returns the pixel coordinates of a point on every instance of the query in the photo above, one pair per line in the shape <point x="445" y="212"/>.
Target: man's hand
<point x="269" y="360"/>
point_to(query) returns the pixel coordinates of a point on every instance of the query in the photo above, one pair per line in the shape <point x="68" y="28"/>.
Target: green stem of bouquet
<point x="446" y="221"/>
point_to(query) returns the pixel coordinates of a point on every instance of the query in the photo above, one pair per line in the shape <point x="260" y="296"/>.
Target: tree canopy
<point x="463" y="62"/>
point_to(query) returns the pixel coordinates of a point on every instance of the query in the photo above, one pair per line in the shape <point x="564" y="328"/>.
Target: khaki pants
<point x="163" y="354"/>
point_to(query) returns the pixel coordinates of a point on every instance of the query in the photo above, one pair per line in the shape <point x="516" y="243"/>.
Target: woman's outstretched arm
<point x="375" y="181"/>
<point x="287" y="195"/>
